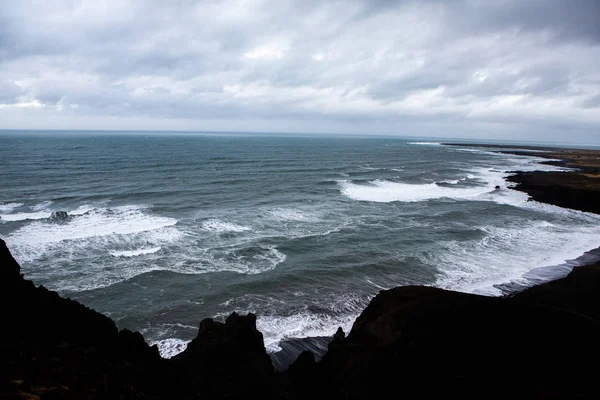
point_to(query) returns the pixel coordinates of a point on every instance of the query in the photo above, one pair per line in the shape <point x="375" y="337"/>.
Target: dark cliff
<point x="56" y="348"/>
<point x="409" y="341"/>
<point x="579" y="191"/>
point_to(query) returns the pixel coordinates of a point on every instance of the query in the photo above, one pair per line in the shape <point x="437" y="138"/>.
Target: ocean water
<point x="165" y="230"/>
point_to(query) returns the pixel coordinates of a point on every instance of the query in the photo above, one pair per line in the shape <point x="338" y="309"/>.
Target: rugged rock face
<point x="431" y="342"/>
<point x="409" y="341"/>
<point x="52" y="347"/>
<point x="565" y="189"/>
<point x="234" y="356"/>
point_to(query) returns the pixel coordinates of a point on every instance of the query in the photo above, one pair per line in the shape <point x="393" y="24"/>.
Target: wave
<point x="41" y="206"/>
<point x="508" y="253"/>
<point x="26" y="216"/>
<point x="8" y="207"/>
<point x="304" y="324"/>
<point x="170" y="347"/>
<point x="91" y="222"/>
<point x="291" y="214"/>
<point x="215" y="225"/>
<point x="40" y="211"/>
<point x="246" y="259"/>
<point x="383" y="191"/>
<point x="133" y="253"/>
<point x="456" y="181"/>
<point x="87" y="238"/>
<point x="278" y="322"/>
<point x="489" y="180"/>
<point x="425" y="143"/>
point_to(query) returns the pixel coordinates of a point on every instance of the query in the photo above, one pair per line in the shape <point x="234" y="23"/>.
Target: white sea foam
<point x="39" y="211"/>
<point x="290" y="214"/>
<point x="26" y="216"/>
<point x="339" y="311"/>
<point x="170" y="347"/>
<point x="425" y="143"/>
<point x="89" y="234"/>
<point x="121" y="220"/>
<point x="507" y="253"/>
<point x="133" y="253"/>
<point x="8" y="207"/>
<point x="383" y="191"/>
<point x="457" y="181"/>
<point x="246" y="260"/>
<point x="41" y="206"/>
<point x="215" y="225"/>
<point x="488" y="179"/>
<point x="304" y="324"/>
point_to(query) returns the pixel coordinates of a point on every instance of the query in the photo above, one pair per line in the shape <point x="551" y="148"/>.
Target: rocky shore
<point x="578" y="189"/>
<point x="409" y="342"/>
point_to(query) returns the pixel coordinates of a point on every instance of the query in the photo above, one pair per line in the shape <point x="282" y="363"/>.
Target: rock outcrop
<point x="574" y="190"/>
<point x="59" y="216"/>
<point x="410" y="341"/>
<point x="431" y="342"/>
<point x="51" y="347"/>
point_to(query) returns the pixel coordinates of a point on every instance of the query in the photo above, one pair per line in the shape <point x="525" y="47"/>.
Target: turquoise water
<point x="164" y="230"/>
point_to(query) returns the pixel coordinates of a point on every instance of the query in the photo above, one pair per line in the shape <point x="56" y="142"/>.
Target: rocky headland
<point x="409" y="342"/>
<point x="578" y="189"/>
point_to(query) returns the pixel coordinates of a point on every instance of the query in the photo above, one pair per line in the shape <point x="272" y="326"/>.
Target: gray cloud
<point x="403" y="67"/>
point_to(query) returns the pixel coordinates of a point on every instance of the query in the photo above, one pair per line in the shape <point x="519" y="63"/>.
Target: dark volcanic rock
<point x="410" y="341"/>
<point x="579" y="292"/>
<point x="59" y="215"/>
<point x="564" y="189"/>
<point x="57" y="348"/>
<point x="293" y="347"/>
<point x="431" y="342"/>
<point x="229" y="352"/>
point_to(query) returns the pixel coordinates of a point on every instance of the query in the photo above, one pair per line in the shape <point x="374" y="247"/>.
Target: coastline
<point x="578" y="188"/>
<point x="432" y="338"/>
<point x="584" y="163"/>
<point x="411" y="340"/>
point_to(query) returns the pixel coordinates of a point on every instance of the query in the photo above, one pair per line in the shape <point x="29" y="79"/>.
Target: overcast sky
<point x="511" y="69"/>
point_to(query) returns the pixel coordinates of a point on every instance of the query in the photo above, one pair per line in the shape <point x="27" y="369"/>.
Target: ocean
<point x="163" y="230"/>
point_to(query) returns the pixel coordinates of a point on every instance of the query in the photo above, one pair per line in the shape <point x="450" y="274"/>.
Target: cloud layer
<point x="477" y="68"/>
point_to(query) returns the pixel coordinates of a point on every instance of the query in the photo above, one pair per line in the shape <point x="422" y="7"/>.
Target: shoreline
<point x="410" y="340"/>
<point x="539" y="275"/>
<point x="429" y="339"/>
<point x="576" y="189"/>
<point x="406" y="330"/>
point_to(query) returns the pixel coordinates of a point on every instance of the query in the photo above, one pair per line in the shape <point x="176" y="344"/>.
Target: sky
<point x="504" y="69"/>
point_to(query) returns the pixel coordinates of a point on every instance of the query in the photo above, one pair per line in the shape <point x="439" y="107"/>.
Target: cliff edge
<point x="409" y="341"/>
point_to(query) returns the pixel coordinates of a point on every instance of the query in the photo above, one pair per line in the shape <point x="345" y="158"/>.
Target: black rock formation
<point x="59" y="215"/>
<point x="564" y="189"/>
<point x="409" y="342"/>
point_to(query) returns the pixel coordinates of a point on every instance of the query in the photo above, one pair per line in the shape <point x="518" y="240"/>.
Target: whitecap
<point x="290" y="214"/>
<point x="170" y="347"/>
<point x="41" y="206"/>
<point x="507" y="253"/>
<point x="383" y="191"/>
<point x="425" y="143"/>
<point x="8" y="207"/>
<point x="133" y="253"/>
<point x="247" y="260"/>
<point x="90" y="222"/>
<point x="87" y="236"/>
<point x="339" y="310"/>
<point x="304" y="324"/>
<point x="215" y="225"/>
<point x="26" y="216"/>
